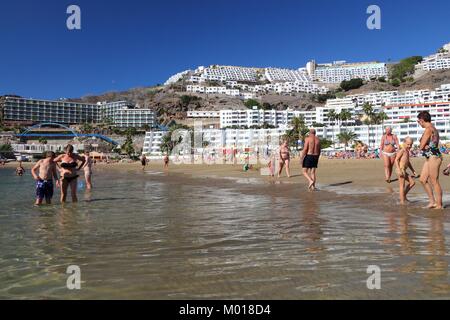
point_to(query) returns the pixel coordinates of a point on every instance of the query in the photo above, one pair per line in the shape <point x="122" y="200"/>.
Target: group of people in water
<point x="398" y="156"/>
<point x="45" y="172"/>
<point x="395" y="156"/>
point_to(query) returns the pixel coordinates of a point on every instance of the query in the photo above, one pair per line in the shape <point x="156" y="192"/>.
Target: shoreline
<point x="343" y="176"/>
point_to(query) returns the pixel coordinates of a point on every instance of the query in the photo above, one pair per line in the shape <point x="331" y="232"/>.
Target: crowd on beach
<point x="395" y="154"/>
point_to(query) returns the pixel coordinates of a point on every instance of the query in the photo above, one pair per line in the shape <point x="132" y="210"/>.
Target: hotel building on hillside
<point x="225" y="73"/>
<point x="22" y="111"/>
<point x="286" y="75"/>
<point x="339" y="71"/>
<point x="438" y="61"/>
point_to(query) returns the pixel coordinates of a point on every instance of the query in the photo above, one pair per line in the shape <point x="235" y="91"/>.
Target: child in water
<point x="402" y="163"/>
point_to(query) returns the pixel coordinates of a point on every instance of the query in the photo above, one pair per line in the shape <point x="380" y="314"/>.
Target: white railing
<point x="40" y="148"/>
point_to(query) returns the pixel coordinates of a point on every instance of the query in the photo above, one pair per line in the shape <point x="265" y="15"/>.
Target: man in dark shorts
<point x="310" y="158"/>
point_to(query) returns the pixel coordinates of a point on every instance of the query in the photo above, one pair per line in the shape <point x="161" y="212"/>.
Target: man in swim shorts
<point x="310" y="158"/>
<point x="44" y="171"/>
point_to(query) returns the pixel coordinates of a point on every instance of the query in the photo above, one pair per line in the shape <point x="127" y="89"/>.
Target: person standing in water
<point x="388" y="147"/>
<point x="143" y="161"/>
<point x="20" y="170"/>
<point x="285" y="157"/>
<point x="429" y="145"/>
<point x="310" y="158"/>
<point x="88" y="170"/>
<point x="166" y="162"/>
<point x="69" y="167"/>
<point x="44" y="171"/>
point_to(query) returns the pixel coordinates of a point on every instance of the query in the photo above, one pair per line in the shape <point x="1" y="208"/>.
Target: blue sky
<point x="125" y="44"/>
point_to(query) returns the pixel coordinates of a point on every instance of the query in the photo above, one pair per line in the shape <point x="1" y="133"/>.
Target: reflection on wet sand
<point x="168" y="237"/>
<point x="424" y="242"/>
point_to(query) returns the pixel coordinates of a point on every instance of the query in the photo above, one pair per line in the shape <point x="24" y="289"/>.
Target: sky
<point x="134" y="43"/>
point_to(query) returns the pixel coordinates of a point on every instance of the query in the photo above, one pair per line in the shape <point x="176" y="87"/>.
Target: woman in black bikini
<point x="69" y="167"/>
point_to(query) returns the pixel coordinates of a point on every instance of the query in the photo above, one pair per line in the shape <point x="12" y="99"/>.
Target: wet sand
<point x="216" y="232"/>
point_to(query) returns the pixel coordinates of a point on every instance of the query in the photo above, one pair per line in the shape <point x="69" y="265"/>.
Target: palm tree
<point x="298" y="131"/>
<point x="332" y="117"/>
<point x="167" y="144"/>
<point x="346" y="137"/>
<point x="370" y="114"/>
<point x="381" y="117"/>
<point x="344" y="116"/>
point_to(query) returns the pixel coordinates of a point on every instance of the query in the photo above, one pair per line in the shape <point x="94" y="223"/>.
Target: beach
<point x="216" y="232"/>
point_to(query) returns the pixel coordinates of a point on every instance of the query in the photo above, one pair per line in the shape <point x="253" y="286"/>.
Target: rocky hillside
<point x="172" y="102"/>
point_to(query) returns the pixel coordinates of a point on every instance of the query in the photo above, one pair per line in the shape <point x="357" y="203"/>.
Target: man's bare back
<point x="312" y="145"/>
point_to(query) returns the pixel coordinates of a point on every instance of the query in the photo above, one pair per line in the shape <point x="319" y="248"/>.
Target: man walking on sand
<point x="310" y="158"/>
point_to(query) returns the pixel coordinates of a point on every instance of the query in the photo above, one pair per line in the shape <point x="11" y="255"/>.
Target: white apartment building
<point x="438" y="61"/>
<point x="152" y="143"/>
<point x="339" y="71"/>
<point x="220" y="139"/>
<point x="229" y="73"/>
<point x="213" y="90"/>
<point x="286" y="75"/>
<point x="176" y="77"/>
<point x="259" y="117"/>
<point x="203" y="114"/>
<point x="29" y="111"/>
<point x="125" y="115"/>
<point x="402" y="130"/>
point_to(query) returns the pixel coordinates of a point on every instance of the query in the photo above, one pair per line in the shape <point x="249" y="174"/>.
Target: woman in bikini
<point x="389" y="145"/>
<point x="429" y="145"/>
<point x="68" y="172"/>
<point x="285" y="157"/>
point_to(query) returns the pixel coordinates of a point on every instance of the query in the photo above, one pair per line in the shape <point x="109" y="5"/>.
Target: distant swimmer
<point x="44" y="172"/>
<point x="310" y="158"/>
<point x="143" y="161"/>
<point x="20" y="170"/>
<point x="166" y="161"/>
<point x="88" y="170"/>
<point x="69" y="167"/>
<point x="285" y="157"/>
<point x="402" y="163"/>
<point x="388" y="147"/>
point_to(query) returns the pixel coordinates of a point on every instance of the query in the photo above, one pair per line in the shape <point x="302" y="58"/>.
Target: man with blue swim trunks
<point x="44" y="171"/>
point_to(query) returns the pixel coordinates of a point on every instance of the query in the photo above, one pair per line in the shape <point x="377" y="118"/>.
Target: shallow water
<point x="148" y="236"/>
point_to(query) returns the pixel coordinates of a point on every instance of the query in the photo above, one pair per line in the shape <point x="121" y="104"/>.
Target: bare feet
<point x="430" y="206"/>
